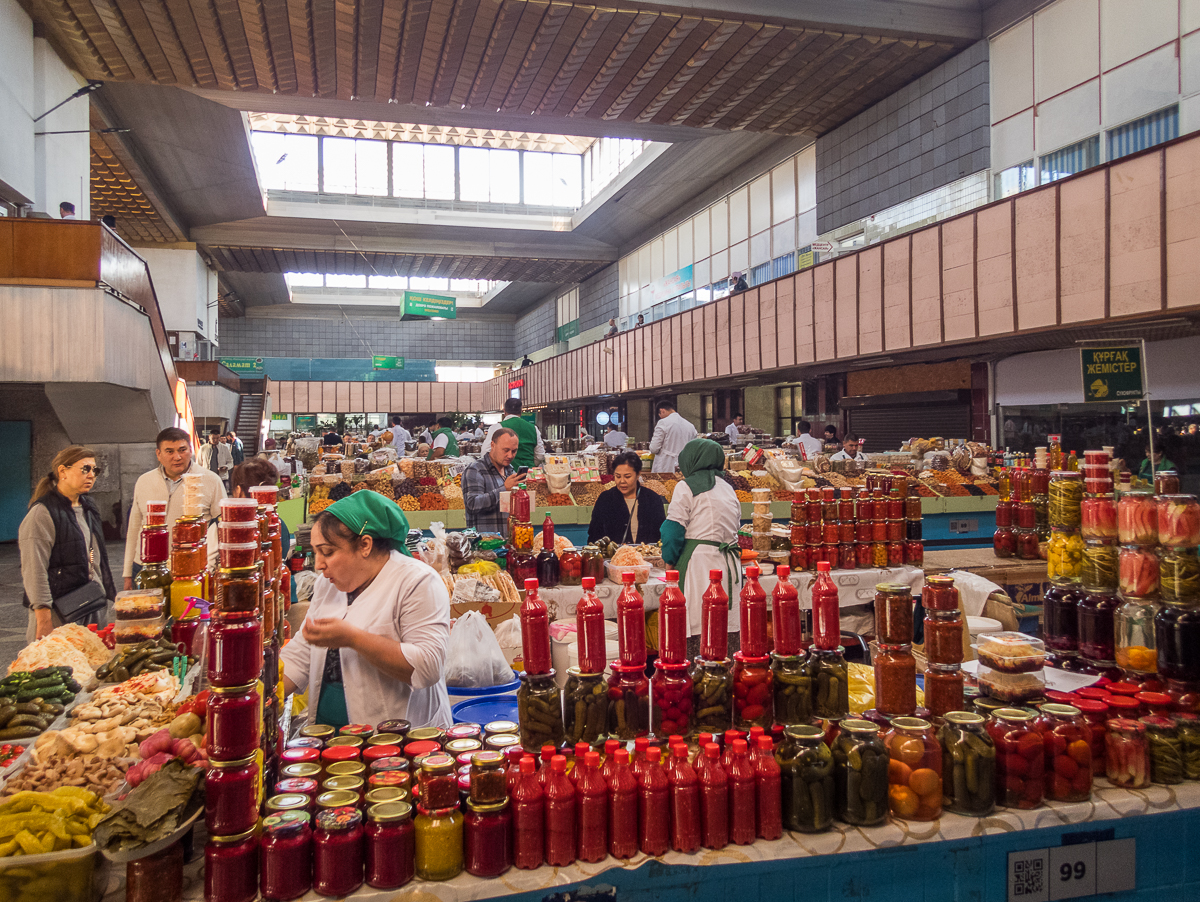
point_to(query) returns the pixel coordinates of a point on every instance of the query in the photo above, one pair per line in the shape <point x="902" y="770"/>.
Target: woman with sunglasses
<point x="373" y="646"/>
<point x="62" y="540"/>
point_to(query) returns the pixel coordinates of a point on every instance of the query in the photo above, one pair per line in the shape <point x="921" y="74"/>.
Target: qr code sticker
<point x="1029" y="877"/>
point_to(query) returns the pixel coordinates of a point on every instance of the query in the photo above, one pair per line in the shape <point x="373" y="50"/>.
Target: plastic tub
<point x="462" y="694"/>
<point x="72" y="875"/>
<point x="641" y="573"/>
<point x="486" y="709"/>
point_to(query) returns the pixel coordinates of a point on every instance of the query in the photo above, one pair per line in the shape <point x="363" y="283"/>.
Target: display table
<point x="1024" y="581"/>
<point x="953" y="858"/>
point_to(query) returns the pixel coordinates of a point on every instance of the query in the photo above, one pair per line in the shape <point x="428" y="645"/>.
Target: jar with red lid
<point x="943" y="689"/>
<point x="1020" y="758"/>
<point x="1027" y="544"/>
<point x="1024" y="515"/>
<point x="1066" y="739"/>
<point x="1185" y="696"/>
<point x="235" y="650"/>
<point x="1096" y="612"/>
<point x="234" y="721"/>
<point x="1157" y="704"/>
<point x="895" y="680"/>
<point x="914" y="553"/>
<point x="915" y="789"/>
<point x="943" y="637"/>
<point x="231" y="796"/>
<point x="1004" y="542"/>
<point x="487" y="838"/>
<point x="231" y="868"/>
<point x="300" y="756"/>
<point x="390" y="845"/>
<point x="338" y="851"/>
<point x="415" y="749"/>
<point x="285" y="856"/>
<point x="1126" y="754"/>
<point x="831" y="532"/>
<point x="1124" y="706"/>
<point x="879" y="530"/>
<point x="1096" y="714"/>
<point x="864" y="555"/>
<point x="373" y="753"/>
<point x="1004" y="513"/>
<point x="335" y="753"/>
<point x="438" y="786"/>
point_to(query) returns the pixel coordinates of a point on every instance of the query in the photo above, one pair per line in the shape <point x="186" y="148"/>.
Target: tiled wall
<point x="928" y="134"/>
<point x="535" y="329"/>
<point x="598" y="299"/>
<point x="363" y="336"/>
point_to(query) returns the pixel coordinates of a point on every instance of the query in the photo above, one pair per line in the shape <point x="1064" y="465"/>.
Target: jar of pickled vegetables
<point x="1041" y="510"/>
<point x="1133" y="635"/>
<point x="807" y="779"/>
<point x="1068" y="753"/>
<point x="1020" y="758"/>
<point x="593" y="562"/>
<point x="1024" y="515"/>
<point x="1098" y="517"/>
<point x="915" y="771"/>
<point x="1096" y="612"/>
<point x="791" y="688"/>
<point x="1166" y="750"/>
<point x="539" y="710"/>
<point x="1004" y="513"/>
<point x="1137" y="519"/>
<point x="1177" y="638"/>
<point x="943" y="689"/>
<point x="570" y="568"/>
<point x="1096" y="713"/>
<point x="1004" y="542"/>
<point x="1137" y="571"/>
<point x="860" y="774"/>
<point x="830" y="680"/>
<point x="968" y="764"/>
<point x="1066" y="495"/>
<point x="1179" y="574"/>
<point x="1098" y="570"/>
<point x="895" y="680"/>
<point x="1189" y="738"/>
<point x="671" y="690"/>
<point x="1064" y="555"/>
<point x="1027" y="544"/>
<point x="628" y="701"/>
<point x="712" y="695"/>
<point x="893" y="614"/>
<point x="1126" y="754"/>
<point x="585" y="706"/>
<point x="1178" y="521"/>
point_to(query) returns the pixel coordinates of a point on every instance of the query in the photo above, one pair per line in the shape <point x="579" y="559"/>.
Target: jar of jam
<point x="488" y="783"/>
<point x="231" y="796"/>
<point x="671" y="711"/>
<point x="1166" y="750"/>
<point x="154" y="544"/>
<point x="305" y="786"/>
<point x="1177" y="638"/>
<point x="629" y="703"/>
<point x="807" y="779"/>
<point x="285" y="856"/>
<point x="319" y="731"/>
<point x="395" y="779"/>
<point x="895" y="680"/>
<point x="540" y="707"/>
<point x="830" y="681"/>
<point x="1020" y="758"/>
<point x="235" y="650"/>
<point x="915" y="789"/>
<point x="968" y="764"/>
<point x="752" y="698"/>
<point x="1027" y="544"/>
<point x="338" y="851"/>
<point x="335" y="799"/>
<point x="373" y="753"/>
<point x="356" y="785"/>
<point x="939" y="594"/>
<point x="1066" y="738"/>
<point x="234" y="720"/>
<point x="238" y="591"/>
<point x="390" y="845"/>
<point x="860" y="766"/>
<point x="438" y="785"/>
<point x="309" y="770"/>
<point x="487" y="838"/>
<point x="943" y="689"/>
<point x="231" y="867"/>
<point x="1095" y="616"/>
<point x="439" y="843"/>
<point x="893" y="613"/>
<point x="384" y="794"/>
<point x="1126" y="754"/>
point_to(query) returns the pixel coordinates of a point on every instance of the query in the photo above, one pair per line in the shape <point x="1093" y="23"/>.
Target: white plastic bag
<point x="434" y="551"/>
<point x="474" y="659"/>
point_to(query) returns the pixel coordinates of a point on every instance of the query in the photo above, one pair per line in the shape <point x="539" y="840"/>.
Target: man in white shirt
<point x="425" y="437"/>
<point x="811" y="445"/>
<point x="399" y="436"/>
<point x="615" y="438"/>
<point x="479" y="433"/>
<point x="670" y="435"/>
<point x="850" y="449"/>
<point x="734" y="429"/>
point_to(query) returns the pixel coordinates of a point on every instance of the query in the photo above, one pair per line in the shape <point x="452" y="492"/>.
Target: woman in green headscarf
<point x="373" y="646"/>
<point x="700" y="532"/>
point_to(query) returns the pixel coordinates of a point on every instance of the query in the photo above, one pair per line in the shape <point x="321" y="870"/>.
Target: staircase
<point x="249" y="416"/>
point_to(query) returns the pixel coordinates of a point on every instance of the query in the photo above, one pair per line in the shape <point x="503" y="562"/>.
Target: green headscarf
<point x="368" y="513"/>
<point x="700" y="461"/>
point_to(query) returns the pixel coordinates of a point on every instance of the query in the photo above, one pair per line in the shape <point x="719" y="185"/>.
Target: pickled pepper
<point x="589" y="629"/>
<point x="631" y="623"/>
<point x="753" y="615"/>
<point x="535" y="631"/>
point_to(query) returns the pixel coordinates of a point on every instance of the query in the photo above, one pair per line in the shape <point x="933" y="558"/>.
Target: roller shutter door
<point x="885" y="427"/>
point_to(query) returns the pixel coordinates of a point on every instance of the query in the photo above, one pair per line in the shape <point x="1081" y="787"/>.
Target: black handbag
<point x="79" y="603"/>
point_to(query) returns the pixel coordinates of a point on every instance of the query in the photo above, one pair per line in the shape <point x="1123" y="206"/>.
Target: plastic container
<point x="131" y="632"/>
<point x="139" y="604"/>
<point x="1010" y="652"/>
<point x="239" y="510"/>
<point x="1013" y="688"/>
<point x="641" y="573"/>
<point x="244" y="554"/>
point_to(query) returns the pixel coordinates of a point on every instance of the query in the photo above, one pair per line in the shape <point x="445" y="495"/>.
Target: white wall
<point x="185" y="287"/>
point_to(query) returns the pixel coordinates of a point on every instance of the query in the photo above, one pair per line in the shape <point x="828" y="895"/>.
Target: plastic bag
<point x="434" y="551"/>
<point x="474" y="659"/>
<point x="509" y="632"/>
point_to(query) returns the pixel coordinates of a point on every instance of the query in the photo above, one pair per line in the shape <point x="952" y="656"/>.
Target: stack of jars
<point x="943" y="646"/>
<point x="895" y="670"/>
<point x="1129" y="627"/>
<point x="522" y="564"/>
<point x="154" y="549"/>
<point x="760" y="523"/>
<point x="189" y="548"/>
<point x="859" y="530"/>
<point x="1022" y="513"/>
<point x="1176" y="629"/>
<point x="276" y="593"/>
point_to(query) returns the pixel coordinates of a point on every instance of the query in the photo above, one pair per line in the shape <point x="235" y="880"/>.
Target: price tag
<point x="1072" y="871"/>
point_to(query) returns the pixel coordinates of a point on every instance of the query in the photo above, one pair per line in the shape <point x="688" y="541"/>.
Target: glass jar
<point x="437" y="783"/>
<point x="914" y="552"/>
<point x="943" y="637"/>
<point x="231" y="868"/>
<point x="488" y="783"/>
<point x="235" y="651"/>
<point x="1179" y="574"/>
<point x="807" y="779"/>
<point x="1126" y="754"/>
<point x="1166" y="750"/>
<point x="285" y="856"/>
<point x="338" y="851"/>
<point x="357" y="786"/>
<point x="1066" y="738"/>
<point x="1065" y="495"/>
<point x="1189" y="738"/>
<point x="238" y="591"/>
<point x="915" y="772"/>
<point x="188" y="560"/>
<point x="438" y="849"/>
<point x="830" y="680"/>
<point x="190" y="530"/>
<point x="1137" y="519"/>
<point x="860" y="768"/>
<point x="1060" y="618"/>
<point x="629" y="702"/>
<point x="1024" y="515"/>
<point x="487" y="838"/>
<point x="1133" y="634"/>
<point x="539" y="711"/>
<point x="390" y="845"/>
<point x="154" y="576"/>
<point x="1020" y="758"/>
<point x="1098" y="569"/>
<point x="1064" y="556"/>
<point x="1137" y="571"/>
<point x="939" y="594"/>
<point x="1027" y="544"/>
<point x="1095" y="613"/>
<point x="671" y="713"/>
<point x="752" y="699"/>
<point x="154" y="544"/>
<point x="1096" y="714"/>
<point x="1186" y="696"/>
<point x="895" y="680"/>
<point x="1178" y="521"/>
<point x="570" y="568"/>
<point x="968" y="764"/>
<point x="1098" y="517"/>
<point x="1004" y="542"/>
<point x="712" y="695"/>
<point x="943" y="689"/>
<point x="1177" y="639"/>
<point x="593" y="563"/>
<point x="231" y="796"/>
<point x="320" y="731"/>
<point x="893" y="614"/>
<point x="522" y="564"/>
<point x="798" y="513"/>
<point x="585" y="707"/>
<point x="791" y="689"/>
<point x="1166" y="482"/>
<point x="234" y="722"/>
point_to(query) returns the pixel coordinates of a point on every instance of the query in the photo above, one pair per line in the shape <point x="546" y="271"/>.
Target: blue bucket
<point x="486" y="709"/>
<point x="461" y="693"/>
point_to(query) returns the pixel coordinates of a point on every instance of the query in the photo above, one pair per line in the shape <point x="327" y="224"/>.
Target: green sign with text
<point x="387" y="363"/>
<point x="417" y="303"/>
<point x="567" y="331"/>
<point x="1113" y="374"/>
<point x="247" y="365"/>
<point x="279" y="417"/>
<point x="306" y="423"/>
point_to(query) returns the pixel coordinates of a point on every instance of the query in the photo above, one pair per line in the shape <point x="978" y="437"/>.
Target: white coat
<point x="670" y="435"/>
<point x="714" y="516"/>
<point x="407" y="603"/>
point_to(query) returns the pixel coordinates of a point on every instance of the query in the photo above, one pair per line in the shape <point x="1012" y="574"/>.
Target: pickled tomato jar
<point x="1020" y="758"/>
<point x="1066" y="739"/>
<point x="752" y="699"/>
<point x="915" y="772"/>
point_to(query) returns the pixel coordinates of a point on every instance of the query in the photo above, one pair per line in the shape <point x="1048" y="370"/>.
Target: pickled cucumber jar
<point x="629" y="701"/>
<point x="539" y="710"/>
<point x="830" y="683"/>
<point x="1066" y="494"/>
<point x="1189" y="739"/>
<point x="1166" y="750"/>
<point x="585" y="707"/>
<point x="712" y="695"/>
<point x="792" y="689"/>
<point x="1098" y="570"/>
<point x="1133" y="635"/>
<point x="1064" y="555"/>
<point x="807" y="779"/>
<point x="860" y="772"/>
<point x="1179" y="574"/>
<point x="968" y="764"/>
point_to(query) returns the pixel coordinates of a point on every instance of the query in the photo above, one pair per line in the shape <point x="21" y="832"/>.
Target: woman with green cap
<point x="373" y="646"/>
<point x="700" y="532"/>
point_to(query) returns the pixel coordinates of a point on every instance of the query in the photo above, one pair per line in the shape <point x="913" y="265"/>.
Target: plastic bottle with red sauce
<point x="535" y="630"/>
<point x="528" y="818"/>
<point x="548" y="752"/>
<point x="581" y="750"/>
<point x="672" y="622"/>
<point x="743" y="793"/>
<point x="685" y="801"/>
<point x="591" y="796"/>
<point x="826" y="612"/>
<point x="714" y="619"/>
<point x="654" y="822"/>
<point x="753" y="614"/>
<point x="622" y="808"/>
<point x="638" y="762"/>
<point x="714" y="799"/>
<point x="512" y="772"/>
<point x="610" y="758"/>
<point x="631" y="623"/>
<point x="589" y="628"/>
<point x="560" y="815"/>
<point x="768" y="777"/>
<point x="785" y="613"/>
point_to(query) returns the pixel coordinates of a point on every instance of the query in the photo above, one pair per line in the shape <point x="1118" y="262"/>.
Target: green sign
<point x="387" y="363"/>
<point x="279" y="417"/>
<point x="570" y="330"/>
<point x="247" y="365"/>
<point x="1113" y="374"/>
<point x="307" y="423"/>
<point x="417" y="303"/>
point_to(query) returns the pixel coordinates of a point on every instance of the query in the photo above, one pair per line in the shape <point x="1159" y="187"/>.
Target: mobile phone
<point x="521" y="471"/>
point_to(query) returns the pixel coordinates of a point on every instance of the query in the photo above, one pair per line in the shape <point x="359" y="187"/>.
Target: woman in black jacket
<point x="628" y="512"/>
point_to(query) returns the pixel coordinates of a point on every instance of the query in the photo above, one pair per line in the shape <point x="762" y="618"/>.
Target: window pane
<point x="305" y="279"/>
<point x="1145" y="132"/>
<point x="539" y="171"/>
<point x="505" y="168"/>
<point x="568" y="185"/>
<point x="371" y="166"/>
<point x="407" y="166"/>
<point x="338" y="162"/>
<point x="473" y="174"/>
<point x="474" y="286"/>
<point x="387" y="282"/>
<point x="1070" y="160"/>
<point x="429" y="284"/>
<point x="439" y="172"/>
<point x="1014" y="180"/>
<point x="336" y="280"/>
<point x="286" y="162"/>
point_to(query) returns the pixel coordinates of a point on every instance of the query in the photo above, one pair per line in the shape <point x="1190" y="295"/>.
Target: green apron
<point x="733" y="561"/>
<point x="451" y="443"/>
<point x="526" y="440"/>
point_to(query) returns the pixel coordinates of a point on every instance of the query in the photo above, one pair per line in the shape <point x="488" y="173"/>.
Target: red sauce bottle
<point x="672" y="622"/>
<point x="753" y="611"/>
<point x="535" y="630"/>
<point x="731" y="736"/>
<point x="591" y="796"/>
<point x="767" y="780"/>
<point x="589" y="628"/>
<point x="785" y="610"/>
<point x="610" y="758"/>
<point x="826" y="613"/>
<point x="654" y="822"/>
<point x="560" y="815"/>
<point x="528" y="817"/>
<point x="640" y="745"/>
<point x="714" y="619"/>
<point x="631" y="624"/>
<point x="742" y="796"/>
<point x="548" y="752"/>
<point x="581" y="750"/>
<point x="513" y="755"/>
<point x="622" y="808"/>
<point x="714" y="799"/>
<point x="685" y="801"/>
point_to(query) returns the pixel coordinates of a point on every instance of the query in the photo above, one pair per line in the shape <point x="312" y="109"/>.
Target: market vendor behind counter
<point x="629" y="512"/>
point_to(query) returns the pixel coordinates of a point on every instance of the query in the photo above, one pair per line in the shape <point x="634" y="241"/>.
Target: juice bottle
<point x="785" y="613"/>
<point x="767" y="781"/>
<point x="528" y="815"/>
<point x="743" y="794"/>
<point x="685" y="801"/>
<point x="592" y="799"/>
<point x="560" y="815"/>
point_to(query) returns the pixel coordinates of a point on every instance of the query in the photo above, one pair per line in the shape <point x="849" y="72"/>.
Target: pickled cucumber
<point x="807" y="780"/>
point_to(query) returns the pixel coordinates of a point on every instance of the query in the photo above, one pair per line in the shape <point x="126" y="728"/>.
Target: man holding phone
<point x="484" y="480"/>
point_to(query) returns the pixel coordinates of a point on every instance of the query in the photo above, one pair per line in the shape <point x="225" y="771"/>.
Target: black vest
<point x="69" y="566"/>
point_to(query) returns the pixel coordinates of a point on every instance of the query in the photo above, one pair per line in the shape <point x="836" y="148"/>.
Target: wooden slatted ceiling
<point x="114" y="191"/>
<point x="563" y="60"/>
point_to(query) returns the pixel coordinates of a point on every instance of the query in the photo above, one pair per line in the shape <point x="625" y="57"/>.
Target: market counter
<point x="1024" y="581"/>
<point x="1138" y="844"/>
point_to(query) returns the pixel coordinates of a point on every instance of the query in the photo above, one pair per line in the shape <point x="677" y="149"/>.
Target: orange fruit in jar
<point x="898" y="772"/>
<point x="925" y="781"/>
<point x="1081" y="752"/>
<point x="903" y="801"/>
<point x="909" y="750"/>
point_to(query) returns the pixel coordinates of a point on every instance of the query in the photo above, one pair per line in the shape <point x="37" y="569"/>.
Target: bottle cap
<point x="548" y="752"/>
<point x="765" y="743"/>
<point x="673" y="576"/>
<point x="711" y="751"/>
<point x="592" y="759"/>
<point x="527" y="764"/>
<point x="782" y="571"/>
<point x="739" y="746"/>
<point x="627" y="577"/>
<point x="753" y="572"/>
<point x="653" y="754"/>
<point x="716" y="576"/>
<point x="641" y="743"/>
<point x="531" y="585"/>
<point x="558" y="764"/>
<point x="622" y="755"/>
<point x="588" y="582"/>
<point x="679" y="750"/>
<point x="581" y="749"/>
<point x="822" y="567"/>
<point x="611" y="746"/>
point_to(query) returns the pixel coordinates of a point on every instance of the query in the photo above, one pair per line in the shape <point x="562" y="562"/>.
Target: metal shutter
<point x="887" y="428"/>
